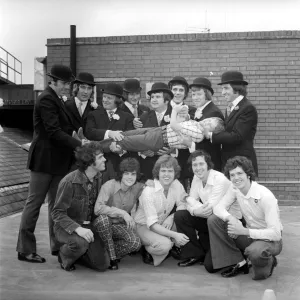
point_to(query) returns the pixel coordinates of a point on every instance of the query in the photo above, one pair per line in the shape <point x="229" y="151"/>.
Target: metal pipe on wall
<point x="73" y="48"/>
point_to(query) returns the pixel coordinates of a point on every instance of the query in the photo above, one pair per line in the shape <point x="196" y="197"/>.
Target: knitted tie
<point x="135" y="112"/>
<point x="228" y="109"/>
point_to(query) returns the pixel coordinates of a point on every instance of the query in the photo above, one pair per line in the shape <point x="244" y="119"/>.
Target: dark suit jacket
<point x="78" y="121"/>
<point x="238" y="137"/>
<point x="141" y="109"/>
<point x="149" y="119"/>
<point x="98" y="123"/>
<point x="52" y="148"/>
<point x="214" y="150"/>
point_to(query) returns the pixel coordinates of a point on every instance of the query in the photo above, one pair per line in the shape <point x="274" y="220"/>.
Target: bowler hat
<point x="132" y="86"/>
<point x="86" y="78"/>
<point x="61" y="72"/>
<point x="158" y="87"/>
<point x="202" y="82"/>
<point x="113" y="89"/>
<point x="233" y="77"/>
<point x="179" y="80"/>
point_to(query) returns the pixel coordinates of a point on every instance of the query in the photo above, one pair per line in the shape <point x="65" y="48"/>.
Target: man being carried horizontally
<point x="171" y="135"/>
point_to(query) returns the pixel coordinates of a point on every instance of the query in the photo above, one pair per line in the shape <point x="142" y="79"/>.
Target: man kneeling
<point x="260" y="241"/>
<point x="73" y="212"/>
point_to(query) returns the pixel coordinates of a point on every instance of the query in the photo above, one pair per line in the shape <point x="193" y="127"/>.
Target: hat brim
<point x="234" y="81"/>
<point x="133" y="90"/>
<point x="161" y="91"/>
<point x="85" y="82"/>
<point x="114" y="94"/>
<point x="59" y="78"/>
<point x="203" y="86"/>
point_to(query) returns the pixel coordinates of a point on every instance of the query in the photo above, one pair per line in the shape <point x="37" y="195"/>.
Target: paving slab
<point x="135" y="280"/>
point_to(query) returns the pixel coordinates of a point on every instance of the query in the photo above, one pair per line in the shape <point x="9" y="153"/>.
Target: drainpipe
<point x="73" y="49"/>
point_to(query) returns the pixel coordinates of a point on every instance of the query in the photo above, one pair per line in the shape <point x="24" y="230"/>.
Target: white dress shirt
<point x="259" y="208"/>
<point x="82" y="104"/>
<point x="216" y="187"/>
<point x="155" y="207"/>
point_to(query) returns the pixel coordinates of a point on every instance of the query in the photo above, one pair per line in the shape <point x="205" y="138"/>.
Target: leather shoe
<point x="147" y="258"/>
<point x="55" y="253"/>
<point x="32" y="257"/>
<point x="114" y="265"/>
<point x="190" y="261"/>
<point x="175" y="252"/>
<point x="69" y="269"/>
<point x="235" y="270"/>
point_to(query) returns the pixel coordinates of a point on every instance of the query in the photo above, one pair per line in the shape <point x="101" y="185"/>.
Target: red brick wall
<point x="270" y="62"/>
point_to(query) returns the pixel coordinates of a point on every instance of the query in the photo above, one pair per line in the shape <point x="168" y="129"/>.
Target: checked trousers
<point x="119" y="240"/>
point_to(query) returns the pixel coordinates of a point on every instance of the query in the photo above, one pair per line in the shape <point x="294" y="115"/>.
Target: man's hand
<point x="235" y="227"/>
<point x="116" y="135"/>
<point x="180" y="239"/>
<point x="129" y="221"/>
<point x="85" y="233"/>
<point x="168" y="222"/>
<point x="137" y="123"/>
<point x="85" y="141"/>
<point x="115" y="148"/>
<point x="206" y="132"/>
<point x="204" y="211"/>
<point x="148" y="153"/>
<point x="185" y="140"/>
<point x="183" y="112"/>
<point x="149" y="183"/>
<point x="164" y="150"/>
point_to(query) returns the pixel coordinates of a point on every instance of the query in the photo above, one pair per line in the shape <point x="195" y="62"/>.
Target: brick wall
<point x="270" y="62"/>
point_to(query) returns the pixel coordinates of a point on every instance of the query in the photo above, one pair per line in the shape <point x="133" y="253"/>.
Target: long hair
<point x="239" y="88"/>
<point x="129" y="164"/>
<point x="76" y="89"/>
<point x="206" y="156"/>
<point x="166" y="161"/>
<point x="242" y="162"/>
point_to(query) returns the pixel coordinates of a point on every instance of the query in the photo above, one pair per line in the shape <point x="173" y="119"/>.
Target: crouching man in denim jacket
<point x="73" y="212"/>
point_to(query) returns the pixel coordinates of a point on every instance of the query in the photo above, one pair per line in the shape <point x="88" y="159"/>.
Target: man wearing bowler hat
<point x="81" y="103"/>
<point x="240" y="120"/>
<point x="132" y="95"/>
<point x="49" y="159"/>
<point x="109" y="121"/>
<point x="202" y="95"/>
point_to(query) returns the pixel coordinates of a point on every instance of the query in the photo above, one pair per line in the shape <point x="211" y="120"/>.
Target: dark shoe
<point x="175" y="252"/>
<point x="55" y="253"/>
<point x="147" y="258"/>
<point x="235" y="270"/>
<point x="274" y="264"/>
<point x="190" y="261"/>
<point x="32" y="257"/>
<point x="69" y="269"/>
<point x="114" y="264"/>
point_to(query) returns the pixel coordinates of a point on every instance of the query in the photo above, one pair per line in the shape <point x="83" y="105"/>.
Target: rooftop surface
<point x="134" y="279"/>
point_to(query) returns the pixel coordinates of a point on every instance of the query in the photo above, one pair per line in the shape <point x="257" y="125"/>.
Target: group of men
<point x="71" y="196"/>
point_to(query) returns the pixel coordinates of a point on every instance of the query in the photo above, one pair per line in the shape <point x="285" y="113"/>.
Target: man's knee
<point x="78" y="245"/>
<point x="102" y="221"/>
<point x="213" y="221"/>
<point x="181" y="215"/>
<point x="135" y="243"/>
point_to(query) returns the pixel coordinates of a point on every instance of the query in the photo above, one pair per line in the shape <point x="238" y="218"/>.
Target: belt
<point x="86" y="222"/>
<point x="164" y="135"/>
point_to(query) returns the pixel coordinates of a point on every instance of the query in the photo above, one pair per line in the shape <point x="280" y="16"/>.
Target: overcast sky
<point x="25" y="25"/>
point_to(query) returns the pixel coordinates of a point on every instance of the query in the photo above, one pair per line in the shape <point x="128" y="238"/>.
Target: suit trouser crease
<point x="155" y="244"/>
<point x="40" y="186"/>
<point x="188" y="224"/>
<point x="226" y="251"/>
<point x="118" y="239"/>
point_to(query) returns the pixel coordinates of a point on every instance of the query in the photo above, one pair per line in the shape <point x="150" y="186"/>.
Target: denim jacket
<point x="72" y="200"/>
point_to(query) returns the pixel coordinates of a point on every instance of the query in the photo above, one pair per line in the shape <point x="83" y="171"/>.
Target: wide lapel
<point x="205" y="109"/>
<point x="88" y="108"/>
<point x="235" y="110"/>
<point x="74" y="110"/>
<point x="152" y="119"/>
<point x="167" y="113"/>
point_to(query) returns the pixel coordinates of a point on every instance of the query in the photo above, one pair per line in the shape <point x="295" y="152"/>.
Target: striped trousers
<point x="119" y="240"/>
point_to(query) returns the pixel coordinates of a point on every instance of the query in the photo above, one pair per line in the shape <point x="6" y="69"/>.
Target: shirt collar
<point x="172" y="103"/>
<point x="162" y="113"/>
<point x="157" y="185"/>
<point x="253" y="192"/>
<point x="129" y="105"/>
<point x="236" y="101"/>
<point x="203" y="106"/>
<point x="78" y="103"/>
<point x="210" y="178"/>
<point x="117" y="186"/>
<point x="114" y="110"/>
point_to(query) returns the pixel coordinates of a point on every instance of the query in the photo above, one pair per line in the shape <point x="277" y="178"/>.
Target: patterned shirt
<point x="93" y="193"/>
<point x="155" y="207"/>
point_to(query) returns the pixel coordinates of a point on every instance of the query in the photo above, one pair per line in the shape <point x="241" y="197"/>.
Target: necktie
<point x="159" y="118"/>
<point x="80" y="109"/>
<point x="228" y="109"/>
<point x="135" y="112"/>
<point x="110" y="114"/>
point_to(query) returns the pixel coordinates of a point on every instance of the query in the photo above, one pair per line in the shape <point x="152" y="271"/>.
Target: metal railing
<point x="10" y="67"/>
